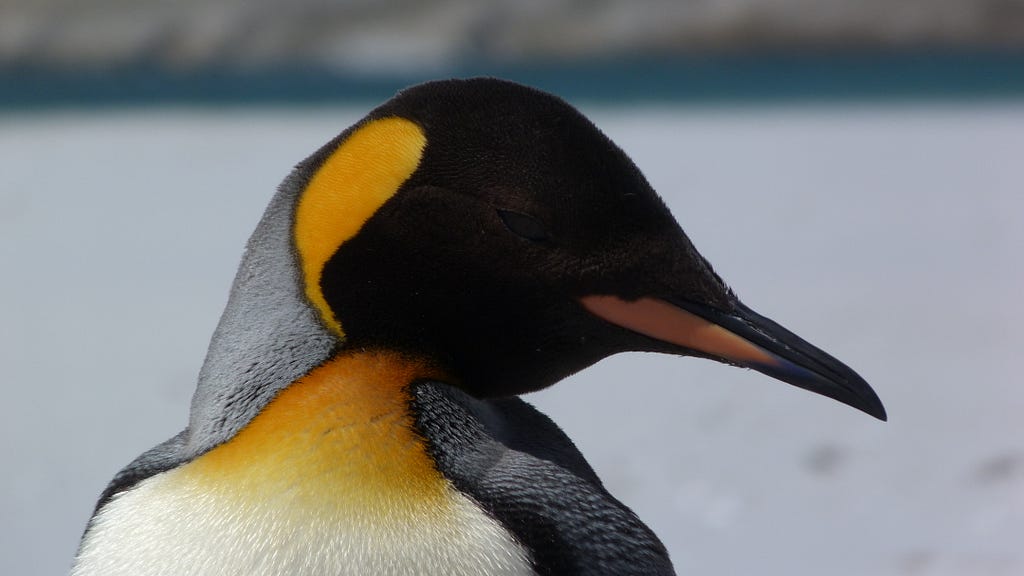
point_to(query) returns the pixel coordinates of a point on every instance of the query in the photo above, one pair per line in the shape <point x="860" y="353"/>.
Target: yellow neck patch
<point x="352" y="184"/>
<point x="339" y="440"/>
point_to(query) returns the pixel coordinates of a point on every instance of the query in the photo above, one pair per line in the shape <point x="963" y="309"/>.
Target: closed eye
<point x="523" y="225"/>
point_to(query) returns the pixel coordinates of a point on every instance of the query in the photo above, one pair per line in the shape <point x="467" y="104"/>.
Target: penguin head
<point x="495" y="230"/>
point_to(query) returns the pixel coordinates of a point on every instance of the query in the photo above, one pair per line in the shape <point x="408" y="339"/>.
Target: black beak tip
<point x="872" y="405"/>
<point x="839" y="383"/>
<point x="865" y="400"/>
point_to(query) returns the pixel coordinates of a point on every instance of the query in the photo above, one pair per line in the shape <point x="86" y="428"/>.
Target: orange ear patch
<point x="352" y="184"/>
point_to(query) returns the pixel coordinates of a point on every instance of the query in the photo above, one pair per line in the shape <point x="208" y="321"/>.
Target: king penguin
<point x="357" y="413"/>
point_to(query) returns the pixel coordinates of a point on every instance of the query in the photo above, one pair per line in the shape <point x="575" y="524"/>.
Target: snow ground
<point x="890" y="236"/>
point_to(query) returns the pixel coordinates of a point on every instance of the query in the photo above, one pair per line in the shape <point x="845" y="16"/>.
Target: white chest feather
<point x="159" y="529"/>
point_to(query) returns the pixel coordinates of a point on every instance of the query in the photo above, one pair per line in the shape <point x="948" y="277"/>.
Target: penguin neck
<point x="268" y="336"/>
<point x="331" y="477"/>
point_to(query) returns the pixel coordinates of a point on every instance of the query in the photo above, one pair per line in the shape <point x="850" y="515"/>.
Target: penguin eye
<point x="526" y="226"/>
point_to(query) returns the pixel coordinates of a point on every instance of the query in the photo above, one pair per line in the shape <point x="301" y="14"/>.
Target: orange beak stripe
<point x="662" y="321"/>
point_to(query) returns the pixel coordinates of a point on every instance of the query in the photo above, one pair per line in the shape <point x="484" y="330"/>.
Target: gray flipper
<point x="523" y="470"/>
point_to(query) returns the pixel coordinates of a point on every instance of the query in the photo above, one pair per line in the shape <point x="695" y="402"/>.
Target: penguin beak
<point x="740" y="337"/>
